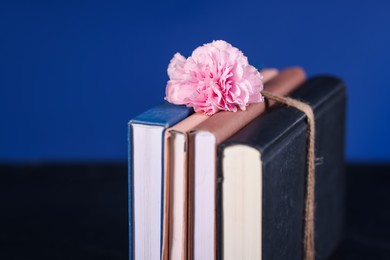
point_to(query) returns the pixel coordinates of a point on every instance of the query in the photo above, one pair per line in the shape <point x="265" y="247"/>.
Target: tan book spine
<point x="224" y="124"/>
<point x="182" y="127"/>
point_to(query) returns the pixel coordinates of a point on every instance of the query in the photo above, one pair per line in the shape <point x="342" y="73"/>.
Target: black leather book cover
<point x="280" y="135"/>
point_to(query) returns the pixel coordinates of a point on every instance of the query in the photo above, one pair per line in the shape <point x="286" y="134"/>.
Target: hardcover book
<point x="261" y="179"/>
<point x="202" y="164"/>
<point x="176" y="187"/>
<point x="175" y="234"/>
<point x="146" y="150"/>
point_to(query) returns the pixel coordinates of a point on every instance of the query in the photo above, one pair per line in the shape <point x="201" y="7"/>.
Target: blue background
<point x="72" y="73"/>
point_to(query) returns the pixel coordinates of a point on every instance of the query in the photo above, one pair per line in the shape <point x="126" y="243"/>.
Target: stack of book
<point x="232" y="185"/>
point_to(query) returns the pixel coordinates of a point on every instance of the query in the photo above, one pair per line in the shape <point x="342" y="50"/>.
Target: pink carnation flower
<point x="216" y="77"/>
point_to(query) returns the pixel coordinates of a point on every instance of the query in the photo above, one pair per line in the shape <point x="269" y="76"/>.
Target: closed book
<point x="176" y="182"/>
<point x="261" y="179"/>
<point x="204" y="139"/>
<point x="176" y="188"/>
<point x="146" y="157"/>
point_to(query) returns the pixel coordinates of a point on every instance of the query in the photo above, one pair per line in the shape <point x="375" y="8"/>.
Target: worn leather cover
<point x="280" y="136"/>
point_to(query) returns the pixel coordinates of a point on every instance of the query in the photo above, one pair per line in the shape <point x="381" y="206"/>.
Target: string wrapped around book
<point x="309" y="245"/>
<point x="217" y="77"/>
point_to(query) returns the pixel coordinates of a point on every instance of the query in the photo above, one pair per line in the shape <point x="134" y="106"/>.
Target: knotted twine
<point x="308" y="242"/>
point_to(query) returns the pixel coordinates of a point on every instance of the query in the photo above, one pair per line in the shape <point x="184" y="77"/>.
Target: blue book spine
<point x="164" y="115"/>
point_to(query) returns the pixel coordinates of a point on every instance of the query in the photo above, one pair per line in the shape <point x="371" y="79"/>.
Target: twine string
<point x="308" y="242"/>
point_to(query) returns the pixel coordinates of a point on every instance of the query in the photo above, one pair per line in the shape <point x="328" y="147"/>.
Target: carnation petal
<point x="176" y="66"/>
<point x="215" y="77"/>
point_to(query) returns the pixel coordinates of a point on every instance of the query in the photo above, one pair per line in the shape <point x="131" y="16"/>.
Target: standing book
<point x="146" y="157"/>
<point x="175" y="234"/>
<point x="176" y="188"/>
<point x="261" y="188"/>
<point x="202" y="164"/>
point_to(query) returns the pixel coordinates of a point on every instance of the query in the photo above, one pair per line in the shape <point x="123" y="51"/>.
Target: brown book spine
<point x="224" y="124"/>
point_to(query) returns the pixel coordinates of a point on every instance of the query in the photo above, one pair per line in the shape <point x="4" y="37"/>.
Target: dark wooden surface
<point x="80" y="212"/>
